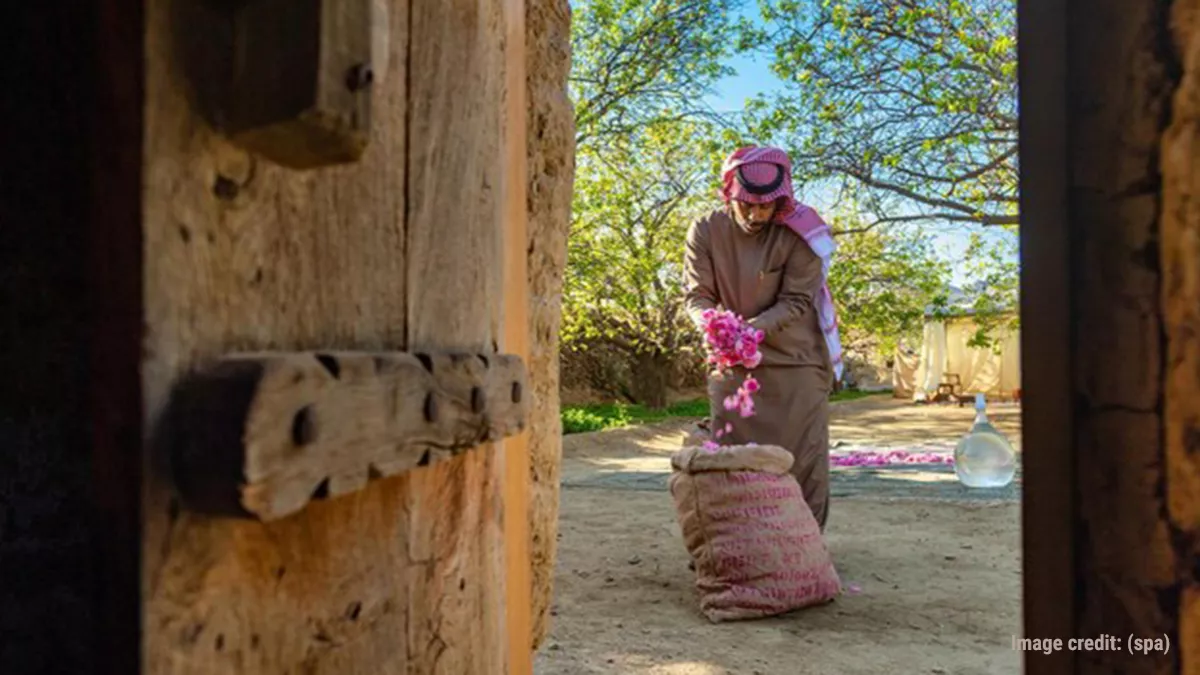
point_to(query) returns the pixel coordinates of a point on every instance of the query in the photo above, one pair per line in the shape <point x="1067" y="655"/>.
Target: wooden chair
<point x="950" y="388"/>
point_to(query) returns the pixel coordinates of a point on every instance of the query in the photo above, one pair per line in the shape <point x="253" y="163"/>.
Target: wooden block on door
<point x="260" y="435"/>
<point x="302" y="78"/>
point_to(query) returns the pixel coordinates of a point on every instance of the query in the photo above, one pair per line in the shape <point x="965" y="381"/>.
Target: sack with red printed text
<point x="757" y="549"/>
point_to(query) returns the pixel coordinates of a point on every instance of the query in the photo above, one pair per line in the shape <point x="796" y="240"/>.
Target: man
<point x="765" y="257"/>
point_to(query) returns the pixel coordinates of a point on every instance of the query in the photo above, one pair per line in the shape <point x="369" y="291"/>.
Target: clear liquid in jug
<point x="984" y="458"/>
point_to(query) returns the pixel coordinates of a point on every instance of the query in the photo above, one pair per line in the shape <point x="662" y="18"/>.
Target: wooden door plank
<point x="455" y="211"/>
<point x="515" y="339"/>
<point x="243" y="255"/>
<point x="1048" y="459"/>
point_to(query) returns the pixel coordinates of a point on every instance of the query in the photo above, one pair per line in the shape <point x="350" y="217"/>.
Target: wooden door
<point x="408" y="249"/>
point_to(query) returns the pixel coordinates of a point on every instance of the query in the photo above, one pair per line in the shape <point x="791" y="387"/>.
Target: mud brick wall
<point x="1132" y="69"/>
<point x="1179" y="246"/>
<point x="551" y="138"/>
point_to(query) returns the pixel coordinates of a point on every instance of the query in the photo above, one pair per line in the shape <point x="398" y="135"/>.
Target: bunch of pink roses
<point x="733" y="342"/>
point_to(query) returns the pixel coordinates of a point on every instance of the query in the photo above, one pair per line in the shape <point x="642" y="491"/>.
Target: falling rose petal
<point x="729" y="427"/>
<point x="720" y="433"/>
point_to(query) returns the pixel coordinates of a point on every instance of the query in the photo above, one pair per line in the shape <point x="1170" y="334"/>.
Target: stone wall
<point x="551" y="133"/>
<point x="1135" y="256"/>
<point x="1179" y="265"/>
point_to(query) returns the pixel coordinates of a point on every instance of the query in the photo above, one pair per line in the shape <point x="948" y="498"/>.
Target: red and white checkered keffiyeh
<point x="761" y="175"/>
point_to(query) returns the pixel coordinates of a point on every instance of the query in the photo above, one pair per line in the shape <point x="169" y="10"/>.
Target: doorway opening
<point x="900" y="122"/>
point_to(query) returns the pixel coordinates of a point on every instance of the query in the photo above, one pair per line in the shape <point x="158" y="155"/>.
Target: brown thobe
<point x="770" y="278"/>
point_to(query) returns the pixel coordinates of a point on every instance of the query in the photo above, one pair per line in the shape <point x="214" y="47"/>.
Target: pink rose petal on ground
<point x="852" y="589"/>
<point x="887" y="458"/>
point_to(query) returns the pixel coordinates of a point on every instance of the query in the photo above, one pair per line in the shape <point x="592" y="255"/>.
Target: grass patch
<point x="578" y="419"/>
<point x="855" y="394"/>
<point x="584" y="418"/>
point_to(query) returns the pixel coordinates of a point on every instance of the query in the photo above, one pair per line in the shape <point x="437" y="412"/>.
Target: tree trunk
<point x="651" y="379"/>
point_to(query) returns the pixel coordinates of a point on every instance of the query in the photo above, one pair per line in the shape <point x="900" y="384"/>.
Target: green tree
<point x="908" y="107"/>
<point x="638" y="63"/>
<point x="634" y="201"/>
<point x="883" y="279"/>
<point x="645" y="162"/>
<point x="992" y="263"/>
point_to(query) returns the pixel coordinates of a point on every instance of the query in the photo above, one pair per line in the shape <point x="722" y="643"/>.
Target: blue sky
<point x="753" y="78"/>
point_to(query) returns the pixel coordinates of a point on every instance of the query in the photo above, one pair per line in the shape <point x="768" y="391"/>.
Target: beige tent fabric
<point x="904" y="374"/>
<point x="983" y="370"/>
<point x="933" y="358"/>
<point x="945" y="351"/>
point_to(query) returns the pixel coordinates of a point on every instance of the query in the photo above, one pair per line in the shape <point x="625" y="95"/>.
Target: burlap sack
<point x="757" y="548"/>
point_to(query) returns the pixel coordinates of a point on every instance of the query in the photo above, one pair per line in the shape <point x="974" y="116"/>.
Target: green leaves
<point x="635" y="198"/>
<point x="635" y="64"/>
<point x="904" y="110"/>
<point x="992" y="262"/>
<point x="883" y="278"/>
<point x="648" y="154"/>
<point x="907" y="107"/>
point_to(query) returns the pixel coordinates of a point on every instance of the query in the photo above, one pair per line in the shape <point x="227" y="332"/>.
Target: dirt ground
<point x="938" y="572"/>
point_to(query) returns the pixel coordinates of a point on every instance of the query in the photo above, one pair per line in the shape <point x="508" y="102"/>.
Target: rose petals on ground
<point x="889" y="458"/>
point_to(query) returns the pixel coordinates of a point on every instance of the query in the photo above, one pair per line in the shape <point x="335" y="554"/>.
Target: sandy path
<point x="940" y="579"/>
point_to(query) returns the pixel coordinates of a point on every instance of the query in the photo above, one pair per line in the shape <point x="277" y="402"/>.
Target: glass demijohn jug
<point x="984" y="458"/>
